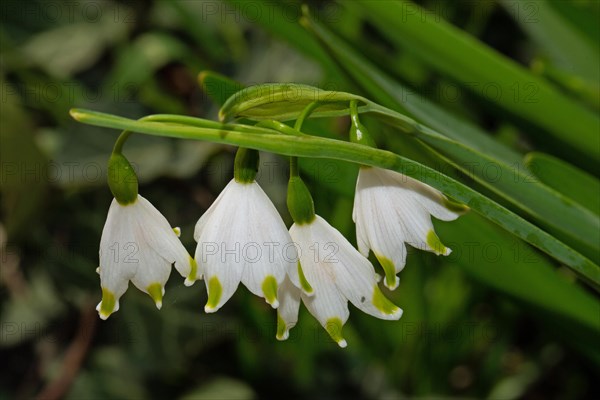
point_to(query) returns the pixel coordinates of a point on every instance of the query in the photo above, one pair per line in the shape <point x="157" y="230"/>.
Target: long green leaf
<point x="463" y="58"/>
<point x="218" y="87"/>
<point x="310" y="146"/>
<point x="496" y="259"/>
<point x="392" y="94"/>
<point x="278" y="18"/>
<point x="573" y="182"/>
<point x="567" y="47"/>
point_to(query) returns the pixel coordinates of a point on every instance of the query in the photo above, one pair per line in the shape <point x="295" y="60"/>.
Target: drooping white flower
<point x="139" y="245"/>
<point x="330" y="273"/>
<point x="242" y="237"/>
<point x="391" y="209"/>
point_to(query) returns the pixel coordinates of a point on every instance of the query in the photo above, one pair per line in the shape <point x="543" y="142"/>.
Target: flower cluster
<point x="390" y="210"/>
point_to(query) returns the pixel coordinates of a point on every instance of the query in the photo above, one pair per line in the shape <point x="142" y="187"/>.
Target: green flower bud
<point x="245" y="166"/>
<point x="122" y="180"/>
<point x="358" y="132"/>
<point x="300" y="202"/>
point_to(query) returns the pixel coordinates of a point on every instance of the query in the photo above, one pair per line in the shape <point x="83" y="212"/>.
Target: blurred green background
<point x="496" y="319"/>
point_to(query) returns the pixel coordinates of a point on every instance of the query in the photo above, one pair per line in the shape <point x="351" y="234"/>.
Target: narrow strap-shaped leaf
<point x="564" y="177"/>
<point x="392" y="94"/>
<point x="567" y="47"/>
<point x="218" y="87"/>
<point x="473" y="64"/>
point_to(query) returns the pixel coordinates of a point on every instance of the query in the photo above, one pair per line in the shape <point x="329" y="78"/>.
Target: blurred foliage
<point x="496" y="319"/>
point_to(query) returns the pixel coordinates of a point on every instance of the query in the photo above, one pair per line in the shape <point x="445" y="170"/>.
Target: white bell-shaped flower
<point x="242" y="238"/>
<point x="391" y="209"/>
<point x="139" y="245"/>
<point x="330" y="273"/>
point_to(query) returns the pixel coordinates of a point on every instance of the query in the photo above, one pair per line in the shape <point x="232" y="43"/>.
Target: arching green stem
<point x="299" y="200"/>
<point x="294" y="172"/>
<point x="311" y="146"/>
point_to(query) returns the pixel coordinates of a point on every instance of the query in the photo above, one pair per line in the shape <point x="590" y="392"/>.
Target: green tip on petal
<point x="282" y="331"/>
<point x="214" y="294"/>
<point x="155" y="290"/>
<point x="436" y="245"/>
<point x="269" y="288"/>
<point x="191" y="278"/>
<point x="391" y="280"/>
<point x="454" y="206"/>
<point x="384" y="305"/>
<point x="177" y="231"/>
<point x="334" y="328"/>
<point x="107" y="305"/>
<point x="303" y="282"/>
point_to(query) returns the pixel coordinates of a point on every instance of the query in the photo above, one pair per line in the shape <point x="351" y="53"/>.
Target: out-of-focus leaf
<point x="198" y="19"/>
<point x="514" y="387"/>
<point x="70" y="48"/>
<point x="218" y="87"/>
<point x="24" y="171"/>
<point x="582" y="15"/>
<point x="390" y="93"/>
<point x="138" y="61"/>
<point x="280" y="19"/>
<point x="465" y="59"/>
<point x="99" y="380"/>
<point x="511" y="266"/>
<point x="573" y="182"/>
<point x="25" y="318"/>
<point x="221" y="389"/>
<point x="573" y="84"/>
<point x="565" y="45"/>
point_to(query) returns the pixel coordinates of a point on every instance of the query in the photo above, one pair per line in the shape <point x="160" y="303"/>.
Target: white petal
<point x="327" y="305"/>
<point x="295" y="272"/>
<point x="432" y="200"/>
<point x="361" y="200"/>
<point x="353" y="274"/>
<point x="261" y="251"/>
<point x="377" y="225"/>
<point x="161" y="237"/>
<point x="419" y="229"/>
<point x="289" y="304"/>
<point x="219" y="249"/>
<point x="215" y="205"/>
<point x="409" y="200"/>
<point x="152" y="273"/>
<point x="116" y="245"/>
